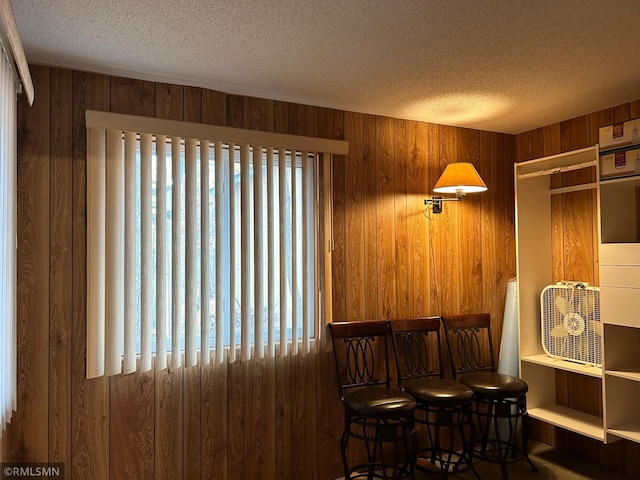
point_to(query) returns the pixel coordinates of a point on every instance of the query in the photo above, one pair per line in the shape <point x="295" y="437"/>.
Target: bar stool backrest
<point x="418" y="349"/>
<point x="361" y="351"/>
<point x="469" y="342"/>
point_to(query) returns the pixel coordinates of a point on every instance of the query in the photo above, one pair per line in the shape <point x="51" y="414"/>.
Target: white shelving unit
<point x="620" y="304"/>
<point x="618" y="209"/>
<point x="534" y="269"/>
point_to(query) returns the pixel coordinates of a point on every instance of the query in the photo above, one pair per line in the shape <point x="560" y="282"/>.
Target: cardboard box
<point x="619" y="134"/>
<point x="620" y="164"/>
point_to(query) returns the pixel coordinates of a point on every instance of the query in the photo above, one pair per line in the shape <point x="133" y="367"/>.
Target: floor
<point x="552" y="464"/>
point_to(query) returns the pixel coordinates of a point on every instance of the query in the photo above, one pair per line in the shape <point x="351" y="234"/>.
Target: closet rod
<point x="550" y="171"/>
<point x="574" y="188"/>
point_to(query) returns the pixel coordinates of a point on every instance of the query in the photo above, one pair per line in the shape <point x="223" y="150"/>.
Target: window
<point x="200" y="245"/>
<point x="229" y="295"/>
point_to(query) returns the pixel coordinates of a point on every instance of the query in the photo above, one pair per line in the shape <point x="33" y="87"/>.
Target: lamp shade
<point x="459" y="178"/>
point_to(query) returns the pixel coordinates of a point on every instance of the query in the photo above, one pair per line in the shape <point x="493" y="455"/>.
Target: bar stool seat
<point x="438" y="391"/>
<point x="494" y="385"/>
<point x="379" y="402"/>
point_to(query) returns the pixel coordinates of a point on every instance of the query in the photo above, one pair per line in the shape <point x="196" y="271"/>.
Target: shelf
<point x="559" y="364"/>
<point x="629" y="431"/>
<point x="583" y="158"/>
<point x="632" y="178"/>
<point x="625" y="374"/>
<point x="620" y="148"/>
<point x="573" y="420"/>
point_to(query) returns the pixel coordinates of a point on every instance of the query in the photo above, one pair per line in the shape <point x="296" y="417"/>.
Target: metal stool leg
<point x="450" y="435"/>
<point x="502" y="447"/>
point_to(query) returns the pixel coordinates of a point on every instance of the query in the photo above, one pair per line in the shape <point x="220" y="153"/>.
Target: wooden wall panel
<point x="61" y="267"/>
<point x="133" y="97"/>
<point x="284" y="434"/>
<point x="574" y="133"/>
<point x="234" y="110"/>
<point x="214" y="421"/>
<point x="537" y="143"/>
<point x="131" y="426"/>
<point x="214" y="107"/>
<point x="352" y="279"/>
<point x="417" y="249"/>
<point x="191" y="104"/>
<point x="329" y="125"/>
<point x="370" y="233"/>
<point x="299" y="458"/>
<point x="551" y="139"/>
<point x="192" y="399"/>
<point x="281" y="117"/>
<point x="29" y="429"/>
<point x="501" y="222"/>
<point x="303" y="416"/>
<point x="579" y="240"/>
<point x="301" y="119"/>
<point x="385" y="231"/>
<point x="525" y="151"/>
<point x="168" y="101"/>
<point x="89" y="398"/>
<point x="330" y="422"/>
<point x="168" y="424"/>
<point x="491" y="281"/>
<point x="507" y="161"/>
<point x="469" y="227"/>
<point x="597" y="120"/>
<point x="611" y="456"/>
<point x="447" y="266"/>
<point x="433" y="173"/>
<point x="260" y="437"/>
<point x="622" y="112"/>
<point x="236" y="387"/>
<point x="257" y="114"/>
<point x="400" y="218"/>
<point x="631" y="453"/>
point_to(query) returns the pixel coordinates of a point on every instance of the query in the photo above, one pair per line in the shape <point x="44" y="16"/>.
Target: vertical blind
<point x="204" y="243"/>
<point x="14" y="77"/>
<point x="8" y="232"/>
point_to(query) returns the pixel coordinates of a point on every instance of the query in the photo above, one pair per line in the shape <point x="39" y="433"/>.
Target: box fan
<point x="571" y="328"/>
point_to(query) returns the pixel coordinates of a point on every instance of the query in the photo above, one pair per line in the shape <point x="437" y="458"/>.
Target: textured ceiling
<point x="499" y="65"/>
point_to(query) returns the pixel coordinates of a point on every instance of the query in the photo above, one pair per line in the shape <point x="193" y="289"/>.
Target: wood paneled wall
<point x="271" y="419"/>
<point x="575" y="215"/>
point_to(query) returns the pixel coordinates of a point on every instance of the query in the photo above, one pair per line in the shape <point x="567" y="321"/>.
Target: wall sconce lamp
<point x="459" y="178"/>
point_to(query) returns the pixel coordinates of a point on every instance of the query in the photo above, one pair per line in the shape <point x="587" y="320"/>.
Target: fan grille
<point x="571" y="328"/>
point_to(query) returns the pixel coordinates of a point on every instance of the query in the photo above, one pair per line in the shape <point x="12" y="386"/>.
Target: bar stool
<point x="380" y="416"/>
<point x="499" y="400"/>
<point x="445" y="405"/>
